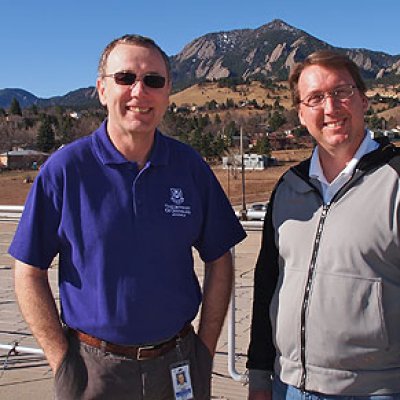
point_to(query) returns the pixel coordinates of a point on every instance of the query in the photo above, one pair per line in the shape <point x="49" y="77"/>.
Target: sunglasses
<point x="152" y="81"/>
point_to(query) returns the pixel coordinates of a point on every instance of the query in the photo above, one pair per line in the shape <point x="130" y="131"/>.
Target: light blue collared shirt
<point x="330" y="189"/>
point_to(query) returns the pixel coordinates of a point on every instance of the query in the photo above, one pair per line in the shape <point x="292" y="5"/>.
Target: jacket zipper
<point x="307" y="294"/>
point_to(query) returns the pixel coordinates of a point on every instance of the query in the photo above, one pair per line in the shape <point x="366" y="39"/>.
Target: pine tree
<point x="277" y="120"/>
<point x="34" y="109"/>
<point x="15" y="108"/>
<point x="263" y="146"/>
<point x="45" y="138"/>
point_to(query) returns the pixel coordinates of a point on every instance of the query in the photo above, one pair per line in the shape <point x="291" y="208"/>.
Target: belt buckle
<point x="139" y="351"/>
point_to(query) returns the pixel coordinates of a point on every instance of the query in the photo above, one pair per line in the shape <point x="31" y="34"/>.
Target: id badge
<point x="181" y="382"/>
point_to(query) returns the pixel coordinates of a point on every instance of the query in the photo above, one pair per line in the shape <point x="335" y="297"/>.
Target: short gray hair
<point x="137" y="40"/>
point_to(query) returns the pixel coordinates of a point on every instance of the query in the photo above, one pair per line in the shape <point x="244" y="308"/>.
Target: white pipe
<point x="17" y="209"/>
<point x="236" y="376"/>
<point x="21" y="349"/>
<point x="252" y="225"/>
<point x="11" y="213"/>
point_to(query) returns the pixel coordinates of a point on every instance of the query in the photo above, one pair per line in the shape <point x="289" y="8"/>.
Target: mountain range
<point x="268" y="51"/>
<point x="80" y="98"/>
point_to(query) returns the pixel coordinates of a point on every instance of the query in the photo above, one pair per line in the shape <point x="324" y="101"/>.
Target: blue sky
<point x="50" y="48"/>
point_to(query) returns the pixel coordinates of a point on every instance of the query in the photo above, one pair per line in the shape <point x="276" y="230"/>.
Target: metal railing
<point x="10" y="213"/>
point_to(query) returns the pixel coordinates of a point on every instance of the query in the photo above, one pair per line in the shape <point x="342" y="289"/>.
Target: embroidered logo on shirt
<point x="177" y="209"/>
<point x="177" y="196"/>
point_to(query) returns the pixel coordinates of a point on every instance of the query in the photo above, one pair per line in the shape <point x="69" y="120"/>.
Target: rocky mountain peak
<point x="279" y="25"/>
<point x="270" y="51"/>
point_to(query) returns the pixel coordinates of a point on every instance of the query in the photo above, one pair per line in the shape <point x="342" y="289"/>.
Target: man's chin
<point x="338" y="139"/>
<point x="140" y="129"/>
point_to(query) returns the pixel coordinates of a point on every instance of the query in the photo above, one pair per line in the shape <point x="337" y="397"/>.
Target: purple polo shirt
<point x="124" y="237"/>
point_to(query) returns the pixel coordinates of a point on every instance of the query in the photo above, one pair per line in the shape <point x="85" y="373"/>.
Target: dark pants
<point x="89" y="373"/>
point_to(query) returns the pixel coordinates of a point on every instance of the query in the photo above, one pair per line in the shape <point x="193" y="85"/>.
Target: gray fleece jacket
<point x="329" y="275"/>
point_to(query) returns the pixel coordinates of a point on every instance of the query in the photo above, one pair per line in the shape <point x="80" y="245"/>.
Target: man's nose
<point x="331" y="103"/>
<point x="137" y="87"/>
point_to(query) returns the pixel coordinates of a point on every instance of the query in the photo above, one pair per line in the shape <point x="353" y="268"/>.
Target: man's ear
<point x="300" y="114"/>
<point x="169" y="86"/>
<point x="100" y="86"/>
<point x="365" y="102"/>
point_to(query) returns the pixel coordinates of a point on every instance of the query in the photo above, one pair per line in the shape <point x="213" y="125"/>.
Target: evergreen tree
<point x="204" y="121"/>
<point x="34" y="109"/>
<point x="195" y="139"/>
<point x="15" y="108"/>
<point x="277" y="120"/>
<point x="230" y="131"/>
<point x="206" y="149"/>
<point x="45" y="138"/>
<point x="230" y="103"/>
<point x="300" y="131"/>
<point x="212" y="105"/>
<point x="263" y="146"/>
<point x="376" y="122"/>
<point x="219" y="146"/>
<point x="277" y="104"/>
<point x="65" y="129"/>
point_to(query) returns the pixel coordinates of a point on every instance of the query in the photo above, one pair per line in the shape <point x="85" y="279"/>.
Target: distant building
<point x="250" y="161"/>
<point x="22" y="159"/>
<point x="75" y="115"/>
<point x="391" y="134"/>
<point x="181" y="109"/>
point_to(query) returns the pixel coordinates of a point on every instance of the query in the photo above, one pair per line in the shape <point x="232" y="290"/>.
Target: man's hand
<point x="260" y="395"/>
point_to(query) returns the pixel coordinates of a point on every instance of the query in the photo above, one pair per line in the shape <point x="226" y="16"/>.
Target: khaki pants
<point x="89" y="373"/>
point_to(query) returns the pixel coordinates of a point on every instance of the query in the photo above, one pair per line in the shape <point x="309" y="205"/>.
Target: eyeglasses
<point x="152" y="81"/>
<point x="317" y="100"/>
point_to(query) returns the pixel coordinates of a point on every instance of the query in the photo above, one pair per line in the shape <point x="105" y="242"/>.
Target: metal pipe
<point x="236" y="376"/>
<point x="21" y="349"/>
<point x="252" y="225"/>
<point x="10" y="213"/>
<point x="16" y="209"/>
<point x="244" y="209"/>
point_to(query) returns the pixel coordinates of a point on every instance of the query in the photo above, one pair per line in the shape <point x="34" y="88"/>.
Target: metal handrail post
<point x="236" y="376"/>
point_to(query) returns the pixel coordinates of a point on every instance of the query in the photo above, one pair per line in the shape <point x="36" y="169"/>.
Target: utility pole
<point x="244" y="210"/>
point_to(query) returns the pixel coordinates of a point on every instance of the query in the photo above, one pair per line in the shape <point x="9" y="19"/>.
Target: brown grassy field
<point x="259" y="184"/>
<point x="14" y="186"/>
<point x="201" y="94"/>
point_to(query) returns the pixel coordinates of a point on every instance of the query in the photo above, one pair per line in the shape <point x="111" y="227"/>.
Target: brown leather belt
<point x="134" y="352"/>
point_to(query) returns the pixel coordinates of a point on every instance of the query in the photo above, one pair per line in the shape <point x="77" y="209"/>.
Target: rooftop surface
<point x="28" y="376"/>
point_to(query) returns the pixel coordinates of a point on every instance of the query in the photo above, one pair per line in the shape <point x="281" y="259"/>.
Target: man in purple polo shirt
<point x="123" y="209"/>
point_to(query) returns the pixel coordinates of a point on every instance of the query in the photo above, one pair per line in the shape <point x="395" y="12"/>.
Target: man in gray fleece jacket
<point x="326" y="311"/>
